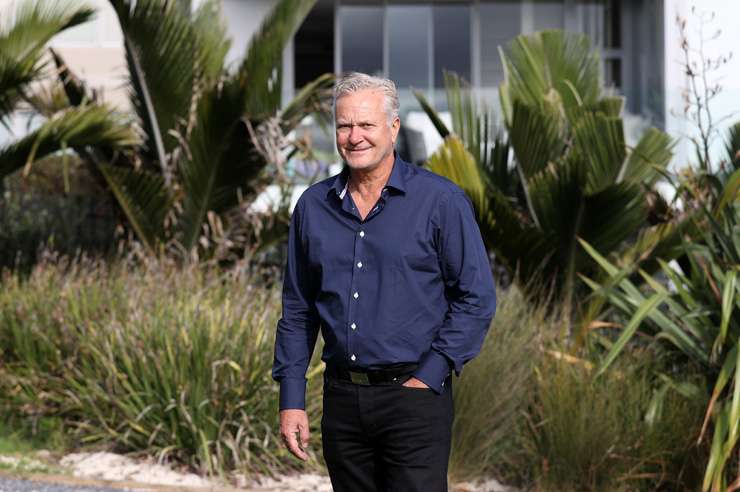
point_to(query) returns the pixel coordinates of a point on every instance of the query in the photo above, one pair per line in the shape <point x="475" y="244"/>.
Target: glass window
<point x="548" y="14"/>
<point x="408" y="38"/>
<point x="362" y="39"/>
<point x="451" y="41"/>
<point x="500" y="22"/>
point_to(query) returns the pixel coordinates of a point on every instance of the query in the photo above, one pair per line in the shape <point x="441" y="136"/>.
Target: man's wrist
<point x="293" y="393"/>
<point x="433" y="370"/>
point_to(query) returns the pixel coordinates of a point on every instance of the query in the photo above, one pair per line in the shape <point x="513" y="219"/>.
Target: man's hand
<point x="412" y="382"/>
<point x="292" y="422"/>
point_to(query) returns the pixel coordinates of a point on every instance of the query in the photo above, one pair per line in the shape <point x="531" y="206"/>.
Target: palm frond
<point x="313" y="99"/>
<point x="539" y="64"/>
<point x="143" y="197"/>
<point x="211" y="39"/>
<point x="221" y="160"/>
<point x="432" y="114"/>
<point x="600" y="141"/>
<point x="503" y="231"/>
<point x="76" y="90"/>
<point x="23" y="35"/>
<point x="76" y="127"/>
<point x="261" y="67"/>
<point x="612" y="215"/>
<point x="25" y="32"/>
<point x="650" y="156"/>
<point x="14" y="78"/>
<point x="160" y="46"/>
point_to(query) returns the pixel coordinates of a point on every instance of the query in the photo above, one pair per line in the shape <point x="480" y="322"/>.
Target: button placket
<point x="355" y="293"/>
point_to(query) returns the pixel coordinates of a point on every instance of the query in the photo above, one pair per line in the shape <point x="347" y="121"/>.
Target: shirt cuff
<point x="433" y="370"/>
<point x="293" y="393"/>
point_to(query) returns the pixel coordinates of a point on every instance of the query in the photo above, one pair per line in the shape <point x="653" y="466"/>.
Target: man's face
<point x="364" y="137"/>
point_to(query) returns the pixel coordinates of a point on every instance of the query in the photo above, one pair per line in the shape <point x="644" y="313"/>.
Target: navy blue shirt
<point x="409" y="284"/>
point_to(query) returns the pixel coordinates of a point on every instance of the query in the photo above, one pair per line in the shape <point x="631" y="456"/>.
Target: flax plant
<point x="171" y="362"/>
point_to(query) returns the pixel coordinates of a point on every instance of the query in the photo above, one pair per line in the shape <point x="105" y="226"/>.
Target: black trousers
<point x="386" y="437"/>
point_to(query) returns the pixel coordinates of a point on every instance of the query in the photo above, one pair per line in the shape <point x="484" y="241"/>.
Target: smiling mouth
<point x="358" y="150"/>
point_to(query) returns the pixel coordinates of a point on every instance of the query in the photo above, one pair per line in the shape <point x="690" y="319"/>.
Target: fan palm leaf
<point x="547" y="62"/>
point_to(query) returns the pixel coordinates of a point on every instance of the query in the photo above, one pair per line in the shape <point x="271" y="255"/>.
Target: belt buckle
<point x="359" y="378"/>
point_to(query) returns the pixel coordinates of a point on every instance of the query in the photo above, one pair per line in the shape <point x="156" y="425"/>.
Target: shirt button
<point x="353" y="357"/>
<point x="356" y="295"/>
<point x="353" y="326"/>
<point x="362" y="233"/>
<point x="359" y="264"/>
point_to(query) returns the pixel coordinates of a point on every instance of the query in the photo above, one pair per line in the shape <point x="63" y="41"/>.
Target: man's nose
<point x="355" y="134"/>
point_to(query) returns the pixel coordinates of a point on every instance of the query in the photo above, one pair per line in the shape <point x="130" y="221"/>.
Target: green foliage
<point x="697" y="317"/>
<point x="485" y="437"/>
<point x="572" y="174"/>
<point x="195" y="145"/>
<point x="24" y="33"/>
<point x="590" y="433"/>
<point x="147" y="358"/>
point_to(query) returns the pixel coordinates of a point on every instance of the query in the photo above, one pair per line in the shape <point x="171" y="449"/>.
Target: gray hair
<point x="353" y="82"/>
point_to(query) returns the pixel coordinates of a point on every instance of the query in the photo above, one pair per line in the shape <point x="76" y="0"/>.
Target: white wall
<point x="244" y="17"/>
<point x="728" y="101"/>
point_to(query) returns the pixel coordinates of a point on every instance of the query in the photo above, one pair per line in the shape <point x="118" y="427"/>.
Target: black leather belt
<point x="371" y="376"/>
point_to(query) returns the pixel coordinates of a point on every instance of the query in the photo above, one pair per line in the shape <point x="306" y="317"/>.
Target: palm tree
<point x="199" y="123"/>
<point x="572" y="174"/>
<point x="23" y="38"/>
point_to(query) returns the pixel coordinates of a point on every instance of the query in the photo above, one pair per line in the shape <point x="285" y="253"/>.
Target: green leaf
<point x="162" y="53"/>
<point x="630" y="330"/>
<point x="144" y="199"/>
<point x="442" y="129"/>
<point x="600" y="141"/>
<point x="75" y="127"/>
<point x="651" y="154"/>
<point x="536" y="65"/>
<point x="24" y="32"/>
<point x="536" y="138"/>
<point x="261" y="68"/>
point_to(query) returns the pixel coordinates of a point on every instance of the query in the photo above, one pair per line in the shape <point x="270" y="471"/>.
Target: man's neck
<point x="371" y="182"/>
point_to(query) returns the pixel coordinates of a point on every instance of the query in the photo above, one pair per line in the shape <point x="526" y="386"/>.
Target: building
<point x="412" y="41"/>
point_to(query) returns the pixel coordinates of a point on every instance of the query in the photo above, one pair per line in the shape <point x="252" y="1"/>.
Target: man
<point x="387" y="260"/>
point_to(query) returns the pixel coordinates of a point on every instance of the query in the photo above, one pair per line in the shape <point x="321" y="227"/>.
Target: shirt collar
<point x="396" y="180"/>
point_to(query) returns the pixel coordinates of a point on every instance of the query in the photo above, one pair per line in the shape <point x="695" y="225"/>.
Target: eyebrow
<point x="356" y="123"/>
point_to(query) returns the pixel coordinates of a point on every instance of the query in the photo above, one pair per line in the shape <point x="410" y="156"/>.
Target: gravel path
<point x="13" y="485"/>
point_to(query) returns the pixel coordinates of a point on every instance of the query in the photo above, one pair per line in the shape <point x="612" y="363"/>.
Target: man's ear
<point x="395" y="127"/>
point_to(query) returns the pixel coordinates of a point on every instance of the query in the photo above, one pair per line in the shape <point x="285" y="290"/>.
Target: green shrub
<point x="494" y="390"/>
<point x="174" y="362"/>
<point x="595" y="433"/>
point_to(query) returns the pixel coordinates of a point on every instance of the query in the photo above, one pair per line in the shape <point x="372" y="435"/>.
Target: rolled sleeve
<point x="298" y="328"/>
<point x="469" y="288"/>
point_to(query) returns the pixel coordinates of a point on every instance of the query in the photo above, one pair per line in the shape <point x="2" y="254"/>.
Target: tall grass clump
<point x="172" y="361"/>
<point x="596" y="433"/>
<point x="494" y="390"/>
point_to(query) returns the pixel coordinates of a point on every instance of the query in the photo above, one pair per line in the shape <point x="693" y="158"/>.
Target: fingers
<point x="304" y="434"/>
<point x="292" y="444"/>
<point x="294" y="426"/>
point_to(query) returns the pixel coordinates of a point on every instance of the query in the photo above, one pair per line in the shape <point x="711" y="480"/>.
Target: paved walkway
<point x="14" y="485"/>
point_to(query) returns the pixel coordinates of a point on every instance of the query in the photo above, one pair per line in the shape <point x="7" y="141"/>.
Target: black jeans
<point x="386" y="437"/>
